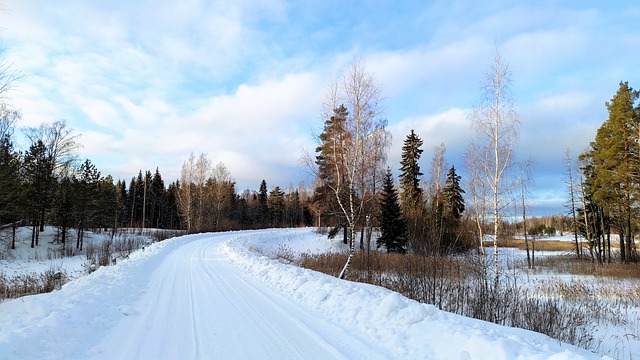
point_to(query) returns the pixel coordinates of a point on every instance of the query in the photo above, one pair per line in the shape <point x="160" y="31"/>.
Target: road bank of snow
<point x="407" y="328"/>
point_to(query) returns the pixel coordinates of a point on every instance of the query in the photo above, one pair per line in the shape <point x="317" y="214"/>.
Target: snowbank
<point x="409" y="329"/>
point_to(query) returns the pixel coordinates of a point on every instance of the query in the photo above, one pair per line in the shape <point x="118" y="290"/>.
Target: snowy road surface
<point x="198" y="305"/>
<point x="210" y="296"/>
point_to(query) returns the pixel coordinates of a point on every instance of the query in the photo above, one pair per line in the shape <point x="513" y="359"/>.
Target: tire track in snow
<point x="199" y="305"/>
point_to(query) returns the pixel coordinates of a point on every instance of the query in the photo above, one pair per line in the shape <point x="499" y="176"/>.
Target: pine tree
<point x="38" y="170"/>
<point x="11" y="189"/>
<point x="615" y="155"/>
<point x="86" y="191"/>
<point x="393" y="227"/>
<point x="63" y="208"/>
<point x="331" y="167"/>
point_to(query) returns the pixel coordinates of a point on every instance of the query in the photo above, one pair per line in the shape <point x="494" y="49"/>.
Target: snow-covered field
<point x="213" y="296"/>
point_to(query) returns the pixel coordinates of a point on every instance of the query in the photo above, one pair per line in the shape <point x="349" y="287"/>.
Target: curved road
<point x="197" y="305"/>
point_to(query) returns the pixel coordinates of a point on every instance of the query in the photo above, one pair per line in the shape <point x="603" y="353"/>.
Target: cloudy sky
<point x="148" y="82"/>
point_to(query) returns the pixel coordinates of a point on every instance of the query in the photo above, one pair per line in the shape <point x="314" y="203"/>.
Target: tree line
<point x="47" y="185"/>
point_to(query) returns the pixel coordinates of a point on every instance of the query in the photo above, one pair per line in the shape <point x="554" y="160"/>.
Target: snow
<point x="218" y="296"/>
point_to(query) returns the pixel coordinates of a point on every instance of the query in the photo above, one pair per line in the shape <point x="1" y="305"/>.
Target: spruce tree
<point x="410" y="170"/>
<point x="276" y="206"/>
<point x="393" y="227"/>
<point x="412" y="198"/>
<point x="453" y="208"/>
<point x="263" y="195"/>
<point x="454" y="201"/>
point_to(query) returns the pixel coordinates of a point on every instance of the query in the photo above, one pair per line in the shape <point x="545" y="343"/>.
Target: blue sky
<point x="148" y="82"/>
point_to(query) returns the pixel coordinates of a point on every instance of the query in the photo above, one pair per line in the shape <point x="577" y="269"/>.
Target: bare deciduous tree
<point x="61" y="144"/>
<point x="491" y="154"/>
<point x="8" y="78"/>
<point x="185" y="192"/>
<point x="354" y="171"/>
<point x="201" y="175"/>
<point x="436" y="183"/>
<point x="571" y="188"/>
<point x="220" y="192"/>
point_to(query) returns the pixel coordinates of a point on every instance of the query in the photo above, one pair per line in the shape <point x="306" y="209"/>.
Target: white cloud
<point x="451" y="128"/>
<point x="148" y="82"/>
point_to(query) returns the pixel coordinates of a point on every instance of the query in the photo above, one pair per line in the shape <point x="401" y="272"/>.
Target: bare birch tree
<point x="221" y="192"/>
<point x="571" y="188"/>
<point x="497" y="131"/>
<point x="437" y="178"/>
<point x="354" y="171"/>
<point x="185" y="192"/>
<point x="202" y="174"/>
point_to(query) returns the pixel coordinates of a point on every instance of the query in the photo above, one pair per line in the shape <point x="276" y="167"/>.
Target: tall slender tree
<point x="490" y="157"/>
<point x="185" y="193"/>
<point x="86" y="189"/>
<point x="11" y="189"/>
<point x="37" y="173"/>
<point x="411" y="196"/>
<point x="453" y="207"/>
<point x="263" y="195"/>
<point x="572" y="204"/>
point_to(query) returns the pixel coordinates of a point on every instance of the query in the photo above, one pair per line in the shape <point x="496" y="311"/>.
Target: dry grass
<point x="565" y="264"/>
<point x="568" y="311"/>
<point x="30" y="284"/>
<point x="540" y="245"/>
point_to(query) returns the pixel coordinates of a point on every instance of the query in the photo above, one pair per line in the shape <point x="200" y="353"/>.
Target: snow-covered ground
<point x="214" y="296"/>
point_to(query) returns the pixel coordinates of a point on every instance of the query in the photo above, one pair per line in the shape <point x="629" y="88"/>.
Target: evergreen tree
<point x="106" y="204"/>
<point x="331" y="164"/>
<point x="276" y="206"/>
<point x="410" y="170"/>
<point x="122" y="201"/>
<point x="614" y="156"/>
<point x="454" y="201"/>
<point x="156" y="201"/>
<point x="173" y="215"/>
<point x="37" y="171"/>
<point x="412" y="198"/>
<point x="263" y="195"/>
<point x="9" y="179"/>
<point x="136" y="200"/>
<point x="453" y="207"/>
<point x="393" y="227"/>
<point x="11" y="190"/>
<point x="63" y="208"/>
<point x="86" y="190"/>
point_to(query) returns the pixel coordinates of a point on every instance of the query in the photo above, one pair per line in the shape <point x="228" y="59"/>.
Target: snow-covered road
<point x="199" y="306"/>
<point x="211" y="296"/>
